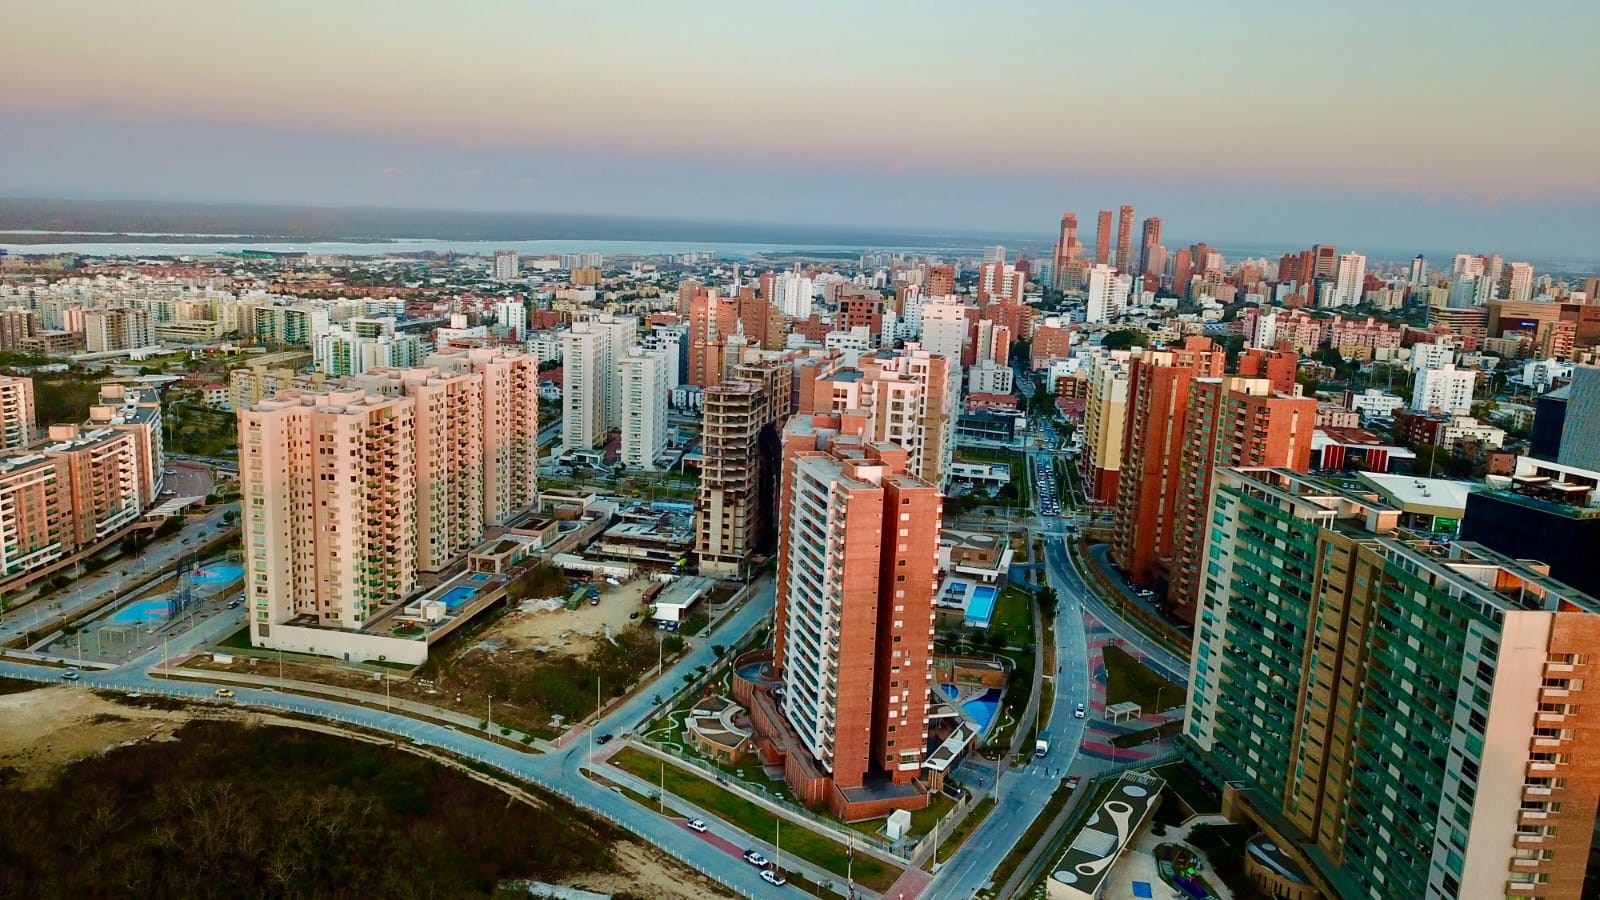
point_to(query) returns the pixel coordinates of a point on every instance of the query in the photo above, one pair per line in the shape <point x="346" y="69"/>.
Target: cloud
<point x="393" y="172"/>
<point x="895" y="170"/>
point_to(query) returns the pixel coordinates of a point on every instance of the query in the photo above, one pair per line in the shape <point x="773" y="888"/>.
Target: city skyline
<point x="886" y="120"/>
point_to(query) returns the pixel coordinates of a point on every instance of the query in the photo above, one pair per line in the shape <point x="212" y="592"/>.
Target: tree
<point x="1124" y="338"/>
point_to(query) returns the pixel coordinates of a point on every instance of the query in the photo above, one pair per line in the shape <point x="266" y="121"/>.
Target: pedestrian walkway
<point x="1097" y="738"/>
<point x="908" y="886"/>
<point x="1138" y="864"/>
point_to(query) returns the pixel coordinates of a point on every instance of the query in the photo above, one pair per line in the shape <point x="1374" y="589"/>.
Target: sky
<point x="1437" y="125"/>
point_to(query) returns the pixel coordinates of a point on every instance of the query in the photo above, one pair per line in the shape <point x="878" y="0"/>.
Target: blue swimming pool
<point x="980" y="709"/>
<point x="218" y="573"/>
<point x="981" y="607"/>
<point x="479" y="578"/>
<point x="140" y="613"/>
<point x="456" y="597"/>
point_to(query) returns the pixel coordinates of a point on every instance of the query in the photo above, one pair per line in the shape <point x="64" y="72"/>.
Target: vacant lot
<point x="1129" y="679"/>
<point x="227" y="809"/>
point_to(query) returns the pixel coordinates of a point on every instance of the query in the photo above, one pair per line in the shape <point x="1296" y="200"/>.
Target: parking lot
<point x="186" y="480"/>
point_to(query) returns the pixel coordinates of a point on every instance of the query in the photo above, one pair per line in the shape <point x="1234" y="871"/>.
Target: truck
<point x="1041" y="748"/>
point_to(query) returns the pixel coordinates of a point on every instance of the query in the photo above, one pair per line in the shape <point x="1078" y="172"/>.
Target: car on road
<point x="224" y="693"/>
<point x="1072" y="782"/>
<point x="773" y="877"/>
<point x="1146" y="593"/>
<point x="697" y="825"/>
<point x="70" y="675"/>
<point x="604" y="738"/>
<point x="756" y="859"/>
<point x="235" y="602"/>
<point x="1079" y="712"/>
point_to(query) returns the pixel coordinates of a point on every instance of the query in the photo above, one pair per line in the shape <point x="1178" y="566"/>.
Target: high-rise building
<point x="858" y="558"/>
<point x="329" y="491"/>
<point x="1152" y="446"/>
<point x="1444" y="388"/>
<point x="1577" y="444"/>
<point x="1068" y="249"/>
<point x="506" y="266"/>
<point x="512" y="315"/>
<point x="1406" y="718"/>
<point x="118" y="328"/>
<point x="1104" y="421"/>
<point x="941" y="281"/>
<point x="1350" y="280"/>
<point x="1325" y="261"/>
<point x="644" y="407"/>
<point x="1001" y="281"/>
<point x="591" y="398"/>
<point x="510" y="429"/>
<point x="739" y="468"/>
<point x="136" y="411"/>
<point x="1150" y="240"/>
<point x="945" y="326"/>
<point x="447" y="419"/>
<point x="1125" y="257"/>
<point x="1419" y="272"/>
<point x="1107" y="295"/>
<point x="1518" y="282"/>
<point x="1232" y="422"/>
<point x="17" y="325"/>
<point x="909" y="398"/>
<point x="17" y="420"/>
<point x="73" y="492"/>
<point x="1102" y="239"/>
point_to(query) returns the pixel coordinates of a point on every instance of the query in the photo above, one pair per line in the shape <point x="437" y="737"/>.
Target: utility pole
<point x="662" y="797"/>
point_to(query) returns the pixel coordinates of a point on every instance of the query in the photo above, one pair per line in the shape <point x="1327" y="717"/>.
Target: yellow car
<point x="224" y="693"/>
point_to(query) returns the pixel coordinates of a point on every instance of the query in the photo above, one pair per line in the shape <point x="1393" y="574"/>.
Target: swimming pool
<point x="139" y="613"/>
<point x="218" y="573"/>
<point x="479" y="578"/>
<point x="980" y="710"/>
<point x="456" y="597"/>
<point x="981" y="607"/>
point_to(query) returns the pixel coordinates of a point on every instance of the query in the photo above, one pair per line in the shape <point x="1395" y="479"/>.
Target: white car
<point x="697" y="825"/>
<point x="773" y="877"/>
<point x="756" y="859"/>
<point x="1079" y="712"/>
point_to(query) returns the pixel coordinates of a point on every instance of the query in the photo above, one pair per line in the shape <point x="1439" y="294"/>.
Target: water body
<point x="415" y="246"/>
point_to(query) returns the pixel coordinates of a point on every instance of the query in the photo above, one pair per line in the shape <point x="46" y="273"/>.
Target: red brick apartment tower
<point x="1152" y="447"/>
<point x="1277" y="366"/>
<point x="1231" y="422"/>
<point x="1125" y="240"/>
<point x="1067" y="248"/>
<point x="857" y="561"/>
<point x="941" y="281"/>
<point x="1102" y="239"/>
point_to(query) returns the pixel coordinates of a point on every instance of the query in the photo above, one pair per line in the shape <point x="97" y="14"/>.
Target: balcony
<point x="1532" y="817"/>
<point x="1553" y="695"/>
<point x="1556" y="668"/>
<point x="1540" y="768"/>
<point x="1524" y="865"/>
<point x="1547" y="743"/>
<point x="1536" y="792"/>
<point x="1520" y="887"/>
<point x="1529" y="840"/>
<point x="1552" y="718"/>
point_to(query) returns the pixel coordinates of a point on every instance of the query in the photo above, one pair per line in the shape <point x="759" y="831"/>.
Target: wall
<point x="352" y="646"/>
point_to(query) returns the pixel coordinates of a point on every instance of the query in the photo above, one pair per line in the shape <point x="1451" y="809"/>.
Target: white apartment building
<point x="118" y="328"/>
<point x="944" y="325"/>
<point x="17" y="420"/>
<point x="1374" y="403"/>
<point x="1106" y="295"/>
<point x="592" y="381"/>
<point x="989" y="377"/>
<point x="512" y="316"/>
<point x="1445" y="388"/>
<point x="1432" y="356"/>
<point x="793" y="294"/>
<point x="506" y="265"/>
<point x="644" y="404"/>
<point x="1350" y="279"/>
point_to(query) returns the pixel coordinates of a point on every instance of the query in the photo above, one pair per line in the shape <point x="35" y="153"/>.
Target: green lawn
<point x="804" y="843"/>
<point x="1013" y="618"/>
<point x="958" y="836"/>
<point x="1129" y="679"/>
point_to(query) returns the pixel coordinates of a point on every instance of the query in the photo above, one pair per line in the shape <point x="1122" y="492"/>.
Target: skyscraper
<point x="1148" y="243"/>
<point x="505" y="265"/>
<point x="1102" y="239"/>
<point x="1406" y="718"/>
<point x="739" y="467"/>
<point x="1156" y="426"/>
<point x="644" y="407"/>
<point x="1518" y="280"/>
<point x="1350" y="279"/>
<point x="909" y="399"/>
<point x="510" y="426"/>
<point x="1068" y="249"/>
<point x="591" y="400"/>
<point x="329" y="494"/>
<point x="17" y="422"/>
<point x="854" y="617"/>
<point x="1107" y="294"/>
<point x="1232" y="422"/>
<point x="1125" y="240"/>
<point x="1419" y="272"/>
<point x="1326" y="260"/>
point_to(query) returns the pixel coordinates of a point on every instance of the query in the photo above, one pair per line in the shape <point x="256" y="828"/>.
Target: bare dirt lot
<point x="572" y="632"/>
<point x="50" y="726"/>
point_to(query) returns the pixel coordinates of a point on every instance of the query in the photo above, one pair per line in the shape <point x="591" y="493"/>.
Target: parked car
<point x="1072" y="782"/>
<point x="697" y="825"/>
<point x="756" y="859"/>
<point x="604" y="738"/>
<point x="773" y="877"/>
<point x="224" y="693"/>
